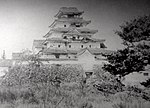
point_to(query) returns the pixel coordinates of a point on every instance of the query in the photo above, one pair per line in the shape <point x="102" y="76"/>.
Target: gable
<point x="85" y="56"/>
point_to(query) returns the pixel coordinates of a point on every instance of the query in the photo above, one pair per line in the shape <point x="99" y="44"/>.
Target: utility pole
<point x="4" y="55"/>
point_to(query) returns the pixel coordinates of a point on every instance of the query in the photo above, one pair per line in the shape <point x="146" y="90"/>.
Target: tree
<point x="124" y="62"/>
<point x="135" y="30"/>
<point x="136" y="54"/>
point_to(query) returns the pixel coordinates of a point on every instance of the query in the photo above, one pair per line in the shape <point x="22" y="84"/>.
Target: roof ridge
<point x="82" y="51"/>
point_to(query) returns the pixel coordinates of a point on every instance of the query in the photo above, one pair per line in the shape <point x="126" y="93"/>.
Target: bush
<point x="8" y="95"/>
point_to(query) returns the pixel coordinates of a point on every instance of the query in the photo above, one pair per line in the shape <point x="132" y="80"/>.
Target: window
<point x="65" y="37"/>
<point x="85" y="32"/>
<point x="64" y="25"/>
<point x="69" y="46"/>
<point x="102" y="45"/>
<point x="73" y="38"/>
<point x="73" y="24"/>
<point x="145" y="74"/>
<point x="45" y="44"/>
<point x="58" y="45"/>
<point x="90" y="46"/>
<point x="71" y="16"/>
<point x="81" y="46"/>
<point x="57" y="56"/>
<point x="78" y="25"/>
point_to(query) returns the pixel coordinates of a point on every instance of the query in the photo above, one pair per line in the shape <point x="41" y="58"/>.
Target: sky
<point x="22" y="21"/>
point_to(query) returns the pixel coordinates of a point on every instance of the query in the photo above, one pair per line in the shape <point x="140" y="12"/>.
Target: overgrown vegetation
<point x="136" y="54"/>
<point x="64" y="87"/>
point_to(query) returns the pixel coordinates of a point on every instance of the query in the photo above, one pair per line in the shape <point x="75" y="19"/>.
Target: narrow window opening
<point x="73" y="38"/>
<point x="102" y="45"/>
<point x="69" y="46"/>
<point x="65" y="37"/>
<point x="81" y="46"/>
<point x="57" y="56"/>
<point x="90" y="46"/>
<point x="58" y="45"/>
<point x="77" y="25"/>
<point x="145" y="74"/>
<point x="64" y="25"/>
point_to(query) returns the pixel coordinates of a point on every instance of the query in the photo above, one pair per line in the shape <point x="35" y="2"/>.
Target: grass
<point x="6" y="105"/>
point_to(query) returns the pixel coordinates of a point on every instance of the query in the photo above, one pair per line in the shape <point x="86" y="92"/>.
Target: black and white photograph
<point x="74" y="53"/>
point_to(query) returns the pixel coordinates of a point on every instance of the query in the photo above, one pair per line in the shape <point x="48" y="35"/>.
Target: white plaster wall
<point x="74" y="46"/>
<point x="71" y="56"/>
<point x="61" y="24"/>
<point x="55" y="45"/>
<point x="56" y="35"/>
<point x="86" y="66"/>
<point x="87" y="60"/>
<point x="95" y="45"/>
<point x="61" y="62"/>
<point x="62" y="56"/>
<point x="77" y="45"/>
<point x="48" y="57"/>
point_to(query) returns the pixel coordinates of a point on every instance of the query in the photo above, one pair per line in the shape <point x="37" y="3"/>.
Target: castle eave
<point x="71" y="30"/>
<point x="38" y="43"/>
<point x="73" y="20"/>
<point x="68" y="10"/>
<point x="56" y="59"/>
<point x="57" y="40"/>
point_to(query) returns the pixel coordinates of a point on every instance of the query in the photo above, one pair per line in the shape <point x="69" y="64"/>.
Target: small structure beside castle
<point x="70" y="41"/>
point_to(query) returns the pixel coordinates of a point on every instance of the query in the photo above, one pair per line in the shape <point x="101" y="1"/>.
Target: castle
<point x="69" y="41"/>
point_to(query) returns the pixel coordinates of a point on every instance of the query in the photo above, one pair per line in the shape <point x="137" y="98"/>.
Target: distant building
<point x="69" y="41"/>
<point x="16" y="58"/>
<point x="21" y="58"/>
<point x="5" y="64"/>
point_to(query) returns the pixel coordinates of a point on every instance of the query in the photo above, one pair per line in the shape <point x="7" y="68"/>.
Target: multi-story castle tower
<point x="70" y="41"/>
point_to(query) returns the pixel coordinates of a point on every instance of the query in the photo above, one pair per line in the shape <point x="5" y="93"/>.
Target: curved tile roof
<point x="38" y="43"/>
<point x="94" y="51"/>
<point x="68" y="10"/>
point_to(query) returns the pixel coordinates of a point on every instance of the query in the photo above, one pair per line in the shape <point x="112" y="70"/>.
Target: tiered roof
<point x="70" y="20"/>
<point x="38" y="43"/>
<point x="80" y="30"/>
<point x="72" y="31"/>
<point x="94" y="51"/>
<point x="60" y="40"/>
<point x="68" y="10"/>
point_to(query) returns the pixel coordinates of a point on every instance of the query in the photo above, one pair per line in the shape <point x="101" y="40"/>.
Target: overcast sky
<point x="22" y="21"/>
